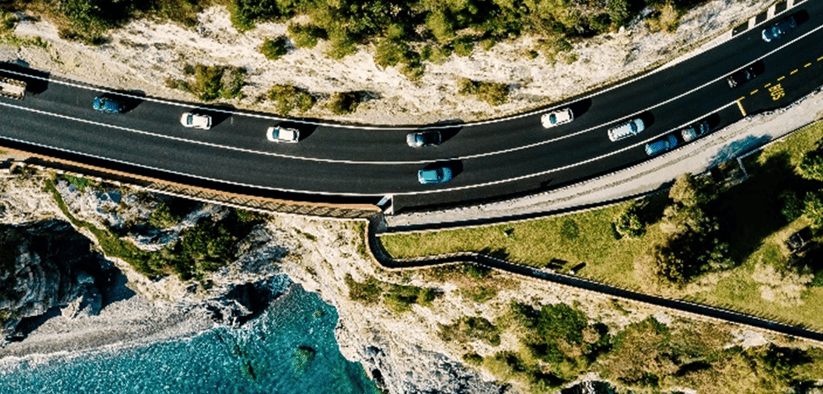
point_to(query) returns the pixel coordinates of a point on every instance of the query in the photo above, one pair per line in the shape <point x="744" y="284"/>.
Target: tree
<point x="811" y="166"/>
<point x="691" y="191"/>
<point x="792" y="205"/>
<point x="813" y="208"/>
<point x="274" y="49"/>
<point x="629" y="222"/>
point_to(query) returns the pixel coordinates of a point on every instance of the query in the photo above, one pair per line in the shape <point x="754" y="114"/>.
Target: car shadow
<point x="648" y="119"/>
<point x="456" y="166"/>
<point x="130" y="98"/>
<point x="580" y="107"/>
<point x="801" y="17"/>
<point x="713" y="120"/>
<point x="36" y="81"/>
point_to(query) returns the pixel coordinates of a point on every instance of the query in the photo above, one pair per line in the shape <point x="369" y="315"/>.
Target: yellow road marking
<point x="820" y="58"/>
<point x="753" y="92"/>
<point x="793" y="72"/>
<point x="781" y="78"/>
<point x="807" y="65"/>
<point x="740" y="105"/>
<point x="767" y="85"/>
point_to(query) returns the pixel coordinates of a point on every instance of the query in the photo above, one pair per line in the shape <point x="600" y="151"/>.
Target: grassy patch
<point x="211" y="82"/>
<point x="588" y="238"/>
<point x="491" y="92"/>
<point x="469" y="328"/>
<point x="397" y="298"/>
<point x="287" y="98"/>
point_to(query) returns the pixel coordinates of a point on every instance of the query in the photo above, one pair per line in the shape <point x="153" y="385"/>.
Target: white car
<point x="282" y="134"/>
<point x="196" y="121"/>
<point x="556" y="118"/>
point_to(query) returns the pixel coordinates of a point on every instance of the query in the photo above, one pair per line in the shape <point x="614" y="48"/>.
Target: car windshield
<point x="553" y="118"/>
<point x="633" y="126"/>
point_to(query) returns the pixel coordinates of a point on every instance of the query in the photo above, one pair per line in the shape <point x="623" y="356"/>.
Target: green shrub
<point x="207" y="82"/>
<point x="8" y="22"/>
<point x="435" y="54"/>
<point x="275" y="49"/>
<point x="287" y="98"/>
<point x="232" y="83"/>
<point x="368" y="292"/>
<point x="441" y="26"/>
<point x="343" y="102"/>
<point x="388" y="53"/>
<point x="162" y="217"/>
<point x="341" y="44"/>
<point x="463" y="46"/>
<point x="792" y="205"/>
<point x="629" y="223"/>
<point x="469" y="328"/>
<point x="473" y="359"/>
<point x="305" y="36"/>
<point x="490" y="92"/>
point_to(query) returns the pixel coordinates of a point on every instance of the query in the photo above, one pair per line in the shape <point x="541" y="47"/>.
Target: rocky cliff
<point x="58" y="266"/>
<point x="46" y="264"/>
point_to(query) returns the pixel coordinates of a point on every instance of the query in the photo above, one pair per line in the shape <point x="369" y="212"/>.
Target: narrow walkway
<point x="680" y="306"/>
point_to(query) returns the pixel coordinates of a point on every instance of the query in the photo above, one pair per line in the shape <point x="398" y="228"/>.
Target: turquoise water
<point x="289" y="349"/>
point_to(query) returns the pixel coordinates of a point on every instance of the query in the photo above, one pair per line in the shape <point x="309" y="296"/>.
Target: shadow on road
<point x="36" y="81"/>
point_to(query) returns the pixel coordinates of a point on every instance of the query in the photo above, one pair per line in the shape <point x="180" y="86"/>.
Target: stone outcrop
<point x="46" y="264"/>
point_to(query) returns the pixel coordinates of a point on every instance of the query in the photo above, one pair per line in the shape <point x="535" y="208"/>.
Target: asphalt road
<point x="346" y="163"/>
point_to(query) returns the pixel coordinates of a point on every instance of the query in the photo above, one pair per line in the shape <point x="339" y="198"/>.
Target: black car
<point x="741" y="76"/>
<point x="423" y="138"/>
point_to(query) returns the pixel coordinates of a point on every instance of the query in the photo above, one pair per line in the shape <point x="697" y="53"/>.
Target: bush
<point x="305" y="36"/>
<point x="792" y="205"/>
<point x="473" y="359"/>
<point x="232" y="82"/>
<point x="666" y="19"/>
<point x="629" y="223"/>
<point x="388" y="53"/>
<point x="811" y="166"/>
<point x="287" y="98"/>
<point x="368" y="292"/>
<point x="490" y="92"/>
<point x="207" y="82"/>
<point x="341" y="44"/>
<point x="441" y="26"/>
<point x="274" y="49"/>
<point x="162" y="217"/>
<point x="813" y="209"/>
<point x="463" y="46"/>
<point x="435" y="54"/>
<point x="469" y="328"/>
<point x="344" y="103"/>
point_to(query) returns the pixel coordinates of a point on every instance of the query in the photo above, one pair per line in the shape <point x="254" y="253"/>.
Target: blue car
<point x="436" y="175"/>
<point x="779" y="29"/>
<point x="112" y="106"/>
<point x="661" y="146"/>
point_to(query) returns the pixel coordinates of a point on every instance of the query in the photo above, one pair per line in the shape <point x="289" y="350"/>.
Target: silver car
<point x="423" y="138"/>
<point x="694" y="131"/>
<point x="626" y="129"/>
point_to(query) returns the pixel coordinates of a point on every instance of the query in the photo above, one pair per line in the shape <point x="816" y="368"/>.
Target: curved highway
<point x="491" y="160"/>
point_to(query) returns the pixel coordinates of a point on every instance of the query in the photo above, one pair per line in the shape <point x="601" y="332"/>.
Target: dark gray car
<point x="423" y="138"/>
